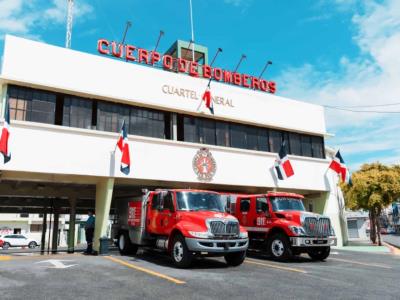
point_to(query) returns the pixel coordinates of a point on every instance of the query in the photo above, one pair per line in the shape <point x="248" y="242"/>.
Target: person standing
<point x="89" y="232"/>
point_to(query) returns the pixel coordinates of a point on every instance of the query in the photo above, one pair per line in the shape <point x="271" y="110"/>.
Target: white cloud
<point x="26" y="17"/>
<point x="371" y="79"/>
<point x="58" y="11"/>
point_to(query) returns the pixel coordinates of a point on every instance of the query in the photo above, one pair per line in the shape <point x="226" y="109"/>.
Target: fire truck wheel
<point x="279" y="247"/>
<point x="180" y="254"/>
<point x="235" y="259"/>
<point x="125" y="246"/>
<point x="320" y="253"/>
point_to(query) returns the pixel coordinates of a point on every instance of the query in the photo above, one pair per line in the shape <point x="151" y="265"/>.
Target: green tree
<point x="375" y="186"/>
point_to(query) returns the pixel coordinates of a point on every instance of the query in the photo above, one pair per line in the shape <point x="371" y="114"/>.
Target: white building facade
<point x="67" y="107"/>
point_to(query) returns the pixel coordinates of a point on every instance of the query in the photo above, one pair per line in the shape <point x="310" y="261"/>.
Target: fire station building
<point x="66" y="112"/>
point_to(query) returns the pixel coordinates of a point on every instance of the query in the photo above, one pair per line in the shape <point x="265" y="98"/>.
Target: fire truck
<point x="184" y="223"/>
<point x="278" y="224"/>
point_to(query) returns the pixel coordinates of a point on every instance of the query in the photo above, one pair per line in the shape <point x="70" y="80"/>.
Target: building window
<point x="147" y="122"/>
<point x="206" y="131"/>
<point x="238" y="136"/>
<point x="317" y="144"/>
<point x="24" y="215"/>
<point x="306" y="149"/>
<point x="222" y="134"/>
<point x="77" y="112"/>
<point x="252" y="138"/>
<point x="31" y="105"/>
<point x="190" y="130"/>
<point x="275" y="140"/>
<point x="263" y="144"/>
<point x="36" y="227"/>
<point x="110" y="116"/>
<point x="295" y="143"/>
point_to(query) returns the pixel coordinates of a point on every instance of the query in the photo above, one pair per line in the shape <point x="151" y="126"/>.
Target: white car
<point x="17" y="240"/>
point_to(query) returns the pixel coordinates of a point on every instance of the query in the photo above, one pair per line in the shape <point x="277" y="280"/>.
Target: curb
<point x="393" y="250"/>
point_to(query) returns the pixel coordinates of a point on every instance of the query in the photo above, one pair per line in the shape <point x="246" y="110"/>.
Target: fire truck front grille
<point x="317" y="226"/>
<point x="219" y="228"/>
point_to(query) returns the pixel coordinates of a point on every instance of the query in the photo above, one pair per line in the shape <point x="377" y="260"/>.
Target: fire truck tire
<point x="181" y="256"/>
<point x="125" y="246"/>
<point x="320" y="253"/>
<point x="279" y="247"/>
<point x="235" y="259"/>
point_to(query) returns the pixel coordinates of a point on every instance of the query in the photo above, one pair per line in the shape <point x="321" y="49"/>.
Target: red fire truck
<point x="278" y="223"/>
<point x="185" y="223"/>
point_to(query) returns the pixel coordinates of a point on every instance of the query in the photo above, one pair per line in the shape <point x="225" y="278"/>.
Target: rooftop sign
<point x="140" y="55"/>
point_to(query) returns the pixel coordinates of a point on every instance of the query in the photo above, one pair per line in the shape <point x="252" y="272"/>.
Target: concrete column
<point x="44" y="229"/>
<point x="104" y="191"/>
<point x="54" y="241"/>
<point x="71" y="231"/>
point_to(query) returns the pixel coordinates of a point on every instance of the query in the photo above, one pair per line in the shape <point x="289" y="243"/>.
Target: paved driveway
<point x="345" y="275"/>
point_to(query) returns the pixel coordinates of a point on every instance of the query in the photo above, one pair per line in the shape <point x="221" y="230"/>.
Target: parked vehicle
<point x="391" y="230"/>
<point x="184" y="223"/>
<point x="278" y="223"/>
<point x="17" y="240"/>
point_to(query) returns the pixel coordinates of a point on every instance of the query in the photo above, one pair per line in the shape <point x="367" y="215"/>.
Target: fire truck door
<point x="154" y="214"/>
<point x="262" y="213"/>
<point x="243" y="211"/>
<point x="167" y="214"/>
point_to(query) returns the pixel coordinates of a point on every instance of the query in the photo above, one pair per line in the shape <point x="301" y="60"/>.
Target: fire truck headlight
<point x="243" y="235"/>
<point x="297" y="230"/>
<point x="201" y="234"/>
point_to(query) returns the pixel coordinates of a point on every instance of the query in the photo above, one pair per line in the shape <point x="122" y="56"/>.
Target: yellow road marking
<point x="360" y="263"/>
<point x="5" y="257"/>
<point x="129" y="265"/>
<point x="275" y="266"/>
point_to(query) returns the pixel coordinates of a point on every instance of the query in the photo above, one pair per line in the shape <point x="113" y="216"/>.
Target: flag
<point x="283" y="166"/>
<point x="5" y="134"/>
<point x="337" y="165"/>
<point x="124" y="147"/>
<point x="208" y="100"/>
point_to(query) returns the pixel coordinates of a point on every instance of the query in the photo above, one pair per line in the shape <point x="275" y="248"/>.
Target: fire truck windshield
<point x="287" y="203"/>
<point x="194" y="201"/>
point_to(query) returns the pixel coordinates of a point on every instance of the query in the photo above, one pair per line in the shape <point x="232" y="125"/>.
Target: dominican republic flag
<point x="283" y="166"/>
<point x="124" y="147"/>
<point x="5" y="134"/>
<point x="340" y="168"/>
<point x="208" y="100"/>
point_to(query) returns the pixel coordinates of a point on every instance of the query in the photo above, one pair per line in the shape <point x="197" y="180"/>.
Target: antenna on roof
<point x="128" y="24"/>
<point x="240" y="61"/>
<point x="158" y="40"/>
<point x="70" y="13"/>
<point x="266" y="65"/>
<point x="191" y="25"/>
<point x="215" y="56"/>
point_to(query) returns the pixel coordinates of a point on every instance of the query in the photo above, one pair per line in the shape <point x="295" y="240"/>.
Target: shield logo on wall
<point x="204" y="165"/>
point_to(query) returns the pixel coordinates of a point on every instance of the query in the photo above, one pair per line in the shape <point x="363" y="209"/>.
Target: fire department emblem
<point x="204" y="165"/>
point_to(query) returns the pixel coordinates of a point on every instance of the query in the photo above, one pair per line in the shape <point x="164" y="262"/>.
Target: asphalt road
<point x="345" y="275"/>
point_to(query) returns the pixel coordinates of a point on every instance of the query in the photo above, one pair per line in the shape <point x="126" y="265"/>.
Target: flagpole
<point x="209" y="81"/>
<point x="115" y="148"/>
<point x="191" y="25"/>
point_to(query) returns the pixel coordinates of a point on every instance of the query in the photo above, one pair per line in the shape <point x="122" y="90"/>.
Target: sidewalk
<point x="364" y="246"/>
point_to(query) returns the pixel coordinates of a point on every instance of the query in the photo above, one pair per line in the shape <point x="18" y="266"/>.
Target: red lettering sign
<point x="134" y="213"/>
<point x="127" y="52"/>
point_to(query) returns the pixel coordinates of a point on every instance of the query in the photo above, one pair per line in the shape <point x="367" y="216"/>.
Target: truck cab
<point x="279" y="224"/>
<point x="185" y="223"/>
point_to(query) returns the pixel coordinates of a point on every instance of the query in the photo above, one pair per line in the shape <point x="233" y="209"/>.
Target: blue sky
<point x="331" y="52"/>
